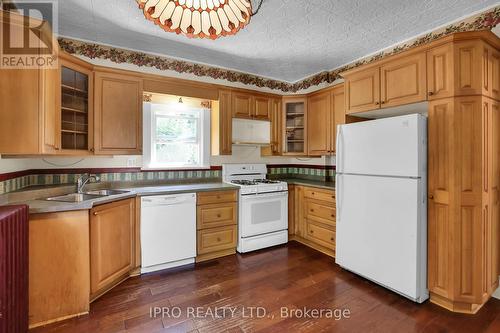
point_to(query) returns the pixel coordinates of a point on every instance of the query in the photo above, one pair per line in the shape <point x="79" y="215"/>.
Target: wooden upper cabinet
<point x="222" y="124"/>
<point x="294" y="118"/>
<point x="262" y="108"/>
<point x="111" y="246"/>
<point x="276" y="127"/>
<point x="19" y="109"/>
<point x="247" y="105"/>
<point x="242" y="105"/>
<point x="75" y="116"/>
<point x="440" y="72"/>
<point x="118" y="114"/>
<point x="338" y="113"/>
<point x="403" y="81"/>
<point x="494" y="74"/>
<point x="362" y="90"/>
<point x="319" y="124"/>
<point x="469" y="68"/>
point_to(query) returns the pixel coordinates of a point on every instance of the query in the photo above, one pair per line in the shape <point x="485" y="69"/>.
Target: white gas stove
<point x="263" y="207"/>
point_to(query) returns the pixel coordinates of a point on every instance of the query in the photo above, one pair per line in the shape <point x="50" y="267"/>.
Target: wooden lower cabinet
<point x="313" y="216"/>
<point x="217" y="216"/>
<point x="320" y="234"/>
<point x="216" y="239"/>
<point x="463" y="202"/>
<point x="111" y="245"/>
<point x="59" y="271"/>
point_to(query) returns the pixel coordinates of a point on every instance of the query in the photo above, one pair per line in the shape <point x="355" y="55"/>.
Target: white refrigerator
<point x="381" y="202"/>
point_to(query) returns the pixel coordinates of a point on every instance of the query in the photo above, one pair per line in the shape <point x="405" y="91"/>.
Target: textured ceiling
<point x="287" y="40"/>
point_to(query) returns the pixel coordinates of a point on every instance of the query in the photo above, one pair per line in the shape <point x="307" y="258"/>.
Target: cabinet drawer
<point x="216" y="215"/>
<point x="216" y="239"/>
<point x="204" y="198"/>
<point x="318" y="194"/>
<point x="324" y="213"/>
<point x="320" y="235"/>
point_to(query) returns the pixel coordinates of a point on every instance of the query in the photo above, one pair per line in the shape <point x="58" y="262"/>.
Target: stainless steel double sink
<point x="90" y="195"/>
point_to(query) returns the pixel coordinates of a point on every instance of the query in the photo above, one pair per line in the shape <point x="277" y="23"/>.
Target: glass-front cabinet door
<point x="295" y="121"/>
<point x="76" y="108"/>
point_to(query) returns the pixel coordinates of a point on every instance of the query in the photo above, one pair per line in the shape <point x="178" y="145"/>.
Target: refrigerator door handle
<point x="339" y="149"/>
<point x="339" y="197"/>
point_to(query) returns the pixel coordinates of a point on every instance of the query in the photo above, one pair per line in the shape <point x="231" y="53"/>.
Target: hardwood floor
<point x="292" y="276"/>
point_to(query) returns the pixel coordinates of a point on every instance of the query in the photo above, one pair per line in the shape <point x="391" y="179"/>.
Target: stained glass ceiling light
<point x="198" y="18"/>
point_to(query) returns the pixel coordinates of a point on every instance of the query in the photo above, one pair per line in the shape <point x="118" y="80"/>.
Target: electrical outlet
<point x="131" y="162"/>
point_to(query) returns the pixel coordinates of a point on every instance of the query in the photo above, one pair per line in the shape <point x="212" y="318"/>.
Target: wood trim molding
<point x="303" y="166"/>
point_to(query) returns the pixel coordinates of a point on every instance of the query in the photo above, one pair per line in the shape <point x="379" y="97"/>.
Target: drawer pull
<point x="312" y="210"/>
<point x="332" y="215"/>
<point x="311" y="231"/>
<point x="218" y="215"/>
<point x="332" y="239"/>
<point x="218" y="197"/>
<point x="218" y="239"/>
<point x="312" y="193"/>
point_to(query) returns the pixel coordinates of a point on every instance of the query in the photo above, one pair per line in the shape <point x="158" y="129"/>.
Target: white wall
<point x="240" y="155"/>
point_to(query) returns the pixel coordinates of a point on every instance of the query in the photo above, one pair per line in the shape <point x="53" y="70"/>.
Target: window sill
<point x="181" y="168"/>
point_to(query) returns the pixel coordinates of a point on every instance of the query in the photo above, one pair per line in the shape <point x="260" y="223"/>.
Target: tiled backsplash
<point x="20" y="180"/>
<point x="302" y="171"/>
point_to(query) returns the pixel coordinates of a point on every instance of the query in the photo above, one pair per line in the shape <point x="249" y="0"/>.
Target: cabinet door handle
<point x="311" y="210"/>
<point x="377" y="103"/>
<point x="332" y="239"/>
<point x="218" y="239"/>
<point x="332" y="215"/>
<point x="431" y="93"/>
<point x="383" y="102"/>
<point x="431" y="196"/>
<point x="95" y="213"/>
<point x="218" y="215"/>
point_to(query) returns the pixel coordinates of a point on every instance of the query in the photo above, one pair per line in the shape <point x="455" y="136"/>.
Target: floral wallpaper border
<point x="483" y="21"/>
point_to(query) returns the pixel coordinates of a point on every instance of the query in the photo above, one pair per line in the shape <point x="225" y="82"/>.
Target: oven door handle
<point x="264" y="195"/>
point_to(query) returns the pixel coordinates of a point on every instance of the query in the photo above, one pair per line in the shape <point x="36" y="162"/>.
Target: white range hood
<point x="251" y="132"/>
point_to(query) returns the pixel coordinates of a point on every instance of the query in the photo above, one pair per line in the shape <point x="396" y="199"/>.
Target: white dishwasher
<point x="168" y="231"/>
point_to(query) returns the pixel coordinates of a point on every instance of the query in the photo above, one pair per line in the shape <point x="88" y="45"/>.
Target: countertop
<point x="312" y="183"/>
<point x="43" y="206"/>
<point x="37" y="204"/>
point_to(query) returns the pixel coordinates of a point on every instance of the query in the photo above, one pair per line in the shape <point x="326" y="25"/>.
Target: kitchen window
<point x="176" y="136"/>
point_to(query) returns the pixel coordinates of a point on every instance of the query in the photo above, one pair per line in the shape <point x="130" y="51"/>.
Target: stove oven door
<point x="263" y="213"/>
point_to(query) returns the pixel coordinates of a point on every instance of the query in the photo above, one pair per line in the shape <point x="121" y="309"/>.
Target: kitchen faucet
<point x="84" y="179"/>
